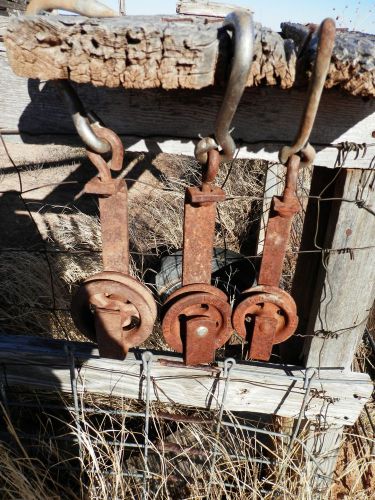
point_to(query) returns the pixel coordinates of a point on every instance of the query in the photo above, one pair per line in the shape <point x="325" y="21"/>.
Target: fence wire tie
<point x="73" y="382"/>
<point x="229" y="363"/>
<point x="309" y="375"/>
<point x="147" y="358"/>
<point x="346" y="147"/>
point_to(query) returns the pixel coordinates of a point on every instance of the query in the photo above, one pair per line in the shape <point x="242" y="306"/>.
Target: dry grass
<point x="185" y="460"/>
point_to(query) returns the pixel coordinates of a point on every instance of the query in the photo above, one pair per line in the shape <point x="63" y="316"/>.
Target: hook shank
<point x="326" y="37"/>
<point x="89" y="8"/>
<point x="241" y="24"/>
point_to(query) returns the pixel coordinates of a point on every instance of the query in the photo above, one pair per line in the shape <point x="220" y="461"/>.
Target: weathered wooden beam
<point x="254" y="387"/>
<point x="171" y="53"/>
<point x="138" y="52"/>
<point x="353" y="58"/>
<point x="204" y="8"/>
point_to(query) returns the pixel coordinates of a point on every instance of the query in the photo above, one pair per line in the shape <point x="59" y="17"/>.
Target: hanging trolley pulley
<point x="266" y="315"/>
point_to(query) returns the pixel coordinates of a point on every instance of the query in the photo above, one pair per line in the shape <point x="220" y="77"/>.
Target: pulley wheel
<point x="284" y="311"/>
<point x="193" y="306"/>
<point x="195" y="288"/>
<point x="113" y="291"/>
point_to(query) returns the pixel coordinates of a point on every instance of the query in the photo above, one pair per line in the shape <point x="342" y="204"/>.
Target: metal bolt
<point x="201" y="331"/>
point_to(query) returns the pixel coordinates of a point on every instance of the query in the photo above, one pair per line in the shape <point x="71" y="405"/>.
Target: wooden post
<point x="345" y="286"/>
<point x="335" y="289"/>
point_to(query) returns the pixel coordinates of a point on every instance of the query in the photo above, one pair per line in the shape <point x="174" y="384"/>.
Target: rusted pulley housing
<point x="112" y="307"/>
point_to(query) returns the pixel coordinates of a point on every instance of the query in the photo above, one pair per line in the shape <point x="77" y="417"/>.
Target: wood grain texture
<point x="204" y="8"/>
<point x="138" y="52"/>
<point x="172" y="53"/>
<point x="271" y="389"/>
<point x="345" y="285"/>
<point x="171" y="121"/>
<point x="353" y="60"/>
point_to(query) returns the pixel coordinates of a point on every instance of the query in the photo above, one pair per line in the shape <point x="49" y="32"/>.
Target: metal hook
<point x="89" y="8"/>
<point x="241" y="23"/>
<point x="80" y="119"/>
<point x="326" y="39"/>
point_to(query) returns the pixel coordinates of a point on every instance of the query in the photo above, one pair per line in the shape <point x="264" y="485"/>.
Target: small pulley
<point x="267" y="315"/>
<point x="111" y="307"/>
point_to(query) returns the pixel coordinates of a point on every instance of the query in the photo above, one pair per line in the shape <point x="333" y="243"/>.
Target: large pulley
<point x="197" y="316"/>
<point x="111" y="307"/>
<point x="267" y="315"/>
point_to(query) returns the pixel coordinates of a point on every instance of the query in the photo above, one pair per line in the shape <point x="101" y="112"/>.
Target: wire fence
<point x="217" y="430"/>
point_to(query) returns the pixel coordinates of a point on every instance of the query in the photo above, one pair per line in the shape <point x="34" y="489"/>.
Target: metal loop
<point x="202" y="149"/>
<point x="326" y="39"/>
<point x="80" y="119"/>
<point x="89" y="8"/>
<point x="241" y="23"/>
<point x="115" y="145"/>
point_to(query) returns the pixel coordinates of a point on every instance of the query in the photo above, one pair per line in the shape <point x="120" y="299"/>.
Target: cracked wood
<point x="177" y="52"/>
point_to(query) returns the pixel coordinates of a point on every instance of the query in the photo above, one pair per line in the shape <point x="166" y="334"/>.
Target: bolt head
<point x="201" y="331"/>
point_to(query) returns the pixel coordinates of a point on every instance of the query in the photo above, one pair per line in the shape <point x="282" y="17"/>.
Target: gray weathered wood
<point x="204" y="8"/>
<point x="157" y="120"/>
<point x="139" y="52"/>
<point x="171" y="53"/>
<point x="353" y="58"/>
<point x="334" y="292"/>
<point x="271" y="389"/>
<point x="324" y="446"/>
<point x="345" y="286"/>
<point x="273" y="186"/>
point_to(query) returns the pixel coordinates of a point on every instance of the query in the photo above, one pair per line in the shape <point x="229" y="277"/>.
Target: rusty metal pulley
<point x="197" y="316"/>
<point x="197" y="321"/>
<point x="111" y="307"/>
<point x="267" y="315"/>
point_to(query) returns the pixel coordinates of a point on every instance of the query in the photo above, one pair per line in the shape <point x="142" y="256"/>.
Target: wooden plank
<point x="254" y="387"/>
<point x="266" y="119"/>
<point x="205" y="8"/>
<point x="172" y="53"/>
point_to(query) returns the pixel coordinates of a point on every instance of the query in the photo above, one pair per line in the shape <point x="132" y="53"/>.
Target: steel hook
<point x="89" y="8"/>
<point x="80" y="119"/>
<point x="241" y="23"/>
<point x="326" y="39"/>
